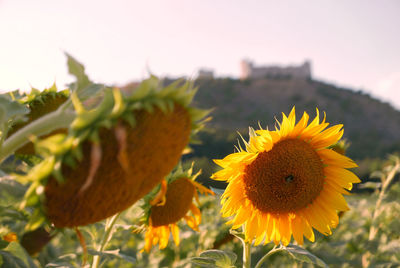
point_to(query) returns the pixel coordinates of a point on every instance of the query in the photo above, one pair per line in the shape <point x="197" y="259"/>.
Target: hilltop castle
<point x="249" y="71"/>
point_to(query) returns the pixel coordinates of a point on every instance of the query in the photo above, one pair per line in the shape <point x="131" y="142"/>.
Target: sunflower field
<point x="100" y="176"/>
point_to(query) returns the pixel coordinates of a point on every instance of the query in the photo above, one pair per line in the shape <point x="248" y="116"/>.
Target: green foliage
<point x="11" y="111"/>
<point x="304" y="255"/>
<point x="15" y="256"/>
<point x="215" y="258"/>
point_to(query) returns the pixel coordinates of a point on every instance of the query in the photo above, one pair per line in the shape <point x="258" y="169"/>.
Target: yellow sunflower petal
<point x="191" y="222"/>
<point x="164" y="237"/>
<point x="298" y="226"/>
<point x="334" y="199"/>
<point x="328" y="137"/>
<point x="332" y="158"/>
<point x="285" y="229"/>
<point x="308" y="231"/>
<point x="241" y="217"/>
<point x="160" y="197"/>
<point x="175" y="233"/>
<point x="196" y="212"/>
<point x="300" y="126"/>
<point x="148" y="240"/>
<point x="341" y="175"/>
<point x="251" y="227"/>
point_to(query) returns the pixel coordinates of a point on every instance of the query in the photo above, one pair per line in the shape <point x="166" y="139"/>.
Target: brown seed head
<point x="152" y="148"/>
<point x="179" y="197"/>
<point x="286" y="178"/>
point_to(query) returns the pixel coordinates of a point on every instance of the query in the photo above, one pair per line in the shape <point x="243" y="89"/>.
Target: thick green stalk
<point x="246" y="254"/>
<point x="52" y="121"/>
<point x="107" y="236"/>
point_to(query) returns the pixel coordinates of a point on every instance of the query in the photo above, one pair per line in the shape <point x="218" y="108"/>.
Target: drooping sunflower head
<point x="287" y="181"/>
<point x="171" y="204"/>
<point x="115" y="151"/>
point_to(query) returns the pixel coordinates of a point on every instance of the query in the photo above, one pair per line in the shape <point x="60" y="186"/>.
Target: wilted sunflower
<point x="287" y="181"/>
<point x="113" y="154"/>
<point x="170" y="206"/>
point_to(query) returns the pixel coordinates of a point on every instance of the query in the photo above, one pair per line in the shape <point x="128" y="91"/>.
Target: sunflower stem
<point x="269" y="253"/>
<point x="246" y="254"/>
<point x="246" y="246"/>
<point x="107" y="236"/>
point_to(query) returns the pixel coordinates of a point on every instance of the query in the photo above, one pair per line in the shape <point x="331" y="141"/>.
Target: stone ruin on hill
<point x="249" y="71"/>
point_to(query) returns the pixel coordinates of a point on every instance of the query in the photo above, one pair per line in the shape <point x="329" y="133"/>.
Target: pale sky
<point x="352" y="43"/>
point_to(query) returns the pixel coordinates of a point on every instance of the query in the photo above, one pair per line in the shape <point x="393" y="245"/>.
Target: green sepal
<point x="11" y="111"/>
<point x="86" y="118"/>
<point x="38" y="172"/>
<point x="78" y="70"/>
<point x="119" y="105"/>
<point x="37" y="219"/>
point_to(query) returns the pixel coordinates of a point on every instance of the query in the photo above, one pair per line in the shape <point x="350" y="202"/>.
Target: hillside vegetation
<point x="371" y="126"/>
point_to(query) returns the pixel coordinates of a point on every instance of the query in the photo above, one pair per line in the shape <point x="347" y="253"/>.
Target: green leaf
<point x="9" y="260"/>
<point x="11" y="213"/>
<point x="303" y="255"/>
<point x="10" y="111"/>
<point x="223" y="258"/>
<point x="18" y="254"/>
<point x="12" y="187"/>
<point x="215" y="258"/>
<point x="78" y="70"/>
<point x="113" y="254"/>
<point x="3" y="244"/>
<point x="64" y="261"/>
<point x="203" y="262"/>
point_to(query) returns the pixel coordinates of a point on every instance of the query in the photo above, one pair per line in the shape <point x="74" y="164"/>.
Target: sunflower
<point x="287" y="181"/>
<point x="114" y="152"/>
<point x="171" y="205"/>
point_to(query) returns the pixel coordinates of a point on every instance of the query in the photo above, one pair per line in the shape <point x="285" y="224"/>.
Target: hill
<point x="371" y="126"/>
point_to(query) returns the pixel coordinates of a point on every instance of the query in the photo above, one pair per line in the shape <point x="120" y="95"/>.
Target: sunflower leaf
<point x="115" y="253"/>
<point x="303" y="255"/>
<point x="215" y="258"/>
<point x="14" y="255"/>
<point x="12" y="187"/>
<point x="203" y="262"/>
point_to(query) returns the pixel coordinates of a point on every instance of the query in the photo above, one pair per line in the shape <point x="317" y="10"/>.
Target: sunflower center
<point x="286" y="178"/>
<point x="178" y="200"/>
